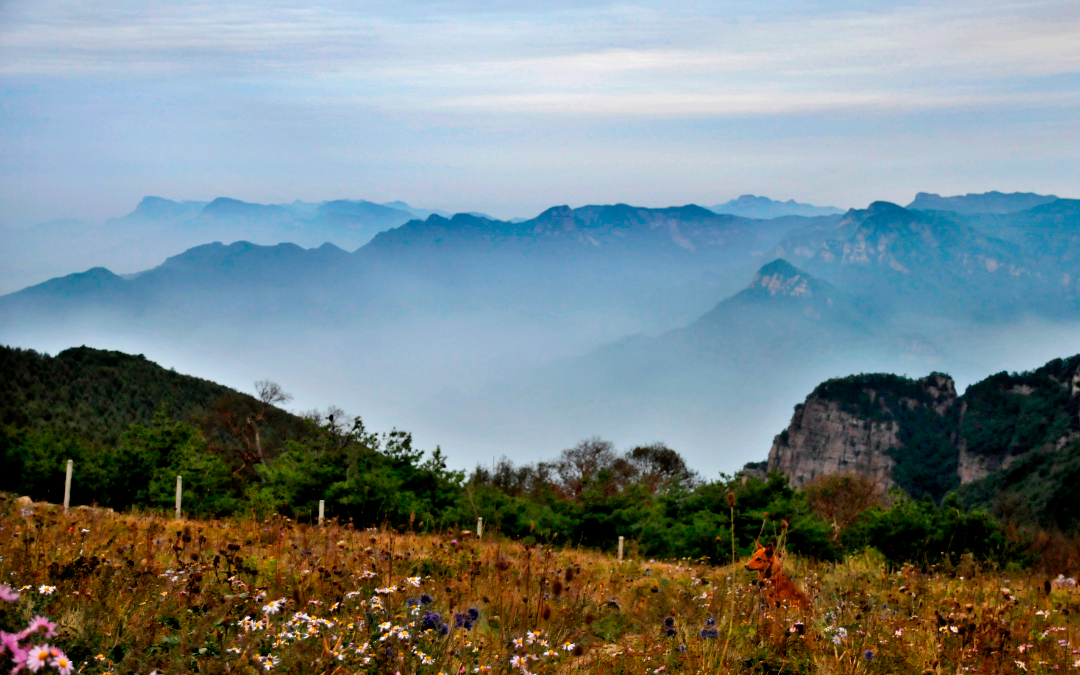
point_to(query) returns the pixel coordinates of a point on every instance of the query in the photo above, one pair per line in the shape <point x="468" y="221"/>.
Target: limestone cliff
<point x="864" y="425"/>
<point x="1011" y="443"/>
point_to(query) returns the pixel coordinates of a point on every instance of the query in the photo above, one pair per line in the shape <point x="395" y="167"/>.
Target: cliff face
<point x="824" y="439"/>
<point x="861" y="425"/>
<point x="1011" y="443"/>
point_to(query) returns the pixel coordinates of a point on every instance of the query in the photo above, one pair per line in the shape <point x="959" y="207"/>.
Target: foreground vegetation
<point x="140" y="593"/>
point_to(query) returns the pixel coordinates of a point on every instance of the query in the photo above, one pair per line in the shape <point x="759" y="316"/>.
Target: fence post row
<point x="479" y="527"/>
<point x="67" y="487"/>
<point x="179" y="489"/>
<point x="322" y="510"/>
<point x="620" y="548"/>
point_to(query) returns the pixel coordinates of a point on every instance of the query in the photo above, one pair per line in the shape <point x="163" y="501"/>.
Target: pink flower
<point x="62" y="663"/>
<point x="8" y="594"/>
<point x="18" y="657"/>
<point x="38" y="657"/>
<point x="9" y="642"/>
<point x="41" y="623"/>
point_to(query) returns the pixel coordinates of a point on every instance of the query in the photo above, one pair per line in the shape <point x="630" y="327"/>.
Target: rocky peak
<point x="781" y="278"/>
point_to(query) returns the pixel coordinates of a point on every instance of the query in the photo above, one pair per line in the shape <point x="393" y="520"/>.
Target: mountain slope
<point x="98" y="394"/>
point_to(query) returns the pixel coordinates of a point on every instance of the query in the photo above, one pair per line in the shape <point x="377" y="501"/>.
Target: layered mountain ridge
<point x="675" y="324"/>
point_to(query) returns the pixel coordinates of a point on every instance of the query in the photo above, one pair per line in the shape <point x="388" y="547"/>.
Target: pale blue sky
<point x="510" y="107"/>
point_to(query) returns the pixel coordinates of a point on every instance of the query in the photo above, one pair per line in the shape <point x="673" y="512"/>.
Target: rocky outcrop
<point x="854" y="425"/>
<point x="823" y="439"/>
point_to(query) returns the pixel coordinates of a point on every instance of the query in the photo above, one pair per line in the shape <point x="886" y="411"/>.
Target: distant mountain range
<point x="749" y="206"/>
<point x="987" y="202"/>
<point x="637" y="324"/>
<point x="158" y="228"/>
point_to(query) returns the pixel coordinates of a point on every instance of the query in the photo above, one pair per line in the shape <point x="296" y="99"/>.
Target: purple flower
<point x="868" y="655"/>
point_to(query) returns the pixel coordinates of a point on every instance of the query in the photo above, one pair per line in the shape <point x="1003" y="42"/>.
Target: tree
<point x="271" y="394"/>
<point x="840" y="498"/>
<point x="582" y="463"/>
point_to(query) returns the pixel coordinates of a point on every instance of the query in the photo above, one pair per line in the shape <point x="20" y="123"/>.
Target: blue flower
<point x="710" y="633"/>
<point x="426" y="599"/>
<point x="430" y="620"/>
<point x="669" y="621"/>
<point x="710" y="622"/>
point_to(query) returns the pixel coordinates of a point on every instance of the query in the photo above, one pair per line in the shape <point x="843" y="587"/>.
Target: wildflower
<point x="38" y="657"/>
<point x="1021" y="665"/>
<point x="868" y="655"/>
<point x="274" y="607"/>
<point x="46" y="590"/>
<point x="413" y="581"/>
<point x="473" y="614"/>
<point x="426" y="599"/>
<point x="709" y="633"/>
<point x="518" y="643"/>
<point x="384" y="591"/>
<point x="669" y="621"/>
<point x="62" y="664"/>
<point x="710" y="622"/>
<point x="40" y="623"/>
<point x="671" y="632"/>
<point x="568" y="646"/>
<point x="8" y="594"/>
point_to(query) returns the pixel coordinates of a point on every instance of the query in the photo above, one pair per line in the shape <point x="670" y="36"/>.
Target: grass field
<point x="138" y="594"/>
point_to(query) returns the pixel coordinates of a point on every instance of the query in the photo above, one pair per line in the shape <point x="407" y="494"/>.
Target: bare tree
<point x="271" y="394"/>
<point x="582" y="463"/>
<point x="840" y="498"/>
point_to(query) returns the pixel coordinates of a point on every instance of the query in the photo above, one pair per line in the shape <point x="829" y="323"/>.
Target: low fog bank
<point x="481" y="390"/>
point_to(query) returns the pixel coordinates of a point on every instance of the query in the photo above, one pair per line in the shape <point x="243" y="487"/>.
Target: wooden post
<point x="479" y="527"/>
<point x="620" y="548"/>
<point x="179" y="489"/>
<point x="67" y="487"/>
<point x="322" y="510"/>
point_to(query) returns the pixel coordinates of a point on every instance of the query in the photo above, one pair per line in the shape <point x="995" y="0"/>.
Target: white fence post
<point x="479" y="527"/>
<point x="620" y="548"/>
<point x="67" y="487"/>
<point x="322" y="510"/>
<point x="179" y="489"/>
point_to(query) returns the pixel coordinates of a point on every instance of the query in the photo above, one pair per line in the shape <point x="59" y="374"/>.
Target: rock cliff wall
<point x="854" y="425"/>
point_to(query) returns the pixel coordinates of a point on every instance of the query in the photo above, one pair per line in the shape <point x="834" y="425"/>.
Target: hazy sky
<point x="509" y="107"/>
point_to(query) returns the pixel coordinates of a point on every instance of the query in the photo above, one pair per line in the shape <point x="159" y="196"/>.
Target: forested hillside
<point x="131" y="427"/>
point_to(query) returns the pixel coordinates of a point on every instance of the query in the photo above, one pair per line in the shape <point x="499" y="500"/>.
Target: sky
<point x="508" y="107"/>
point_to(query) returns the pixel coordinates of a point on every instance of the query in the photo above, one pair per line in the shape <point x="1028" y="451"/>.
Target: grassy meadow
<point x="142" y="593"/>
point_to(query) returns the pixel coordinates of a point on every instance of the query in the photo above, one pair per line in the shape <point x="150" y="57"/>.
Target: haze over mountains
<point x="676" y="324"/>
<point x="158" y="228"/>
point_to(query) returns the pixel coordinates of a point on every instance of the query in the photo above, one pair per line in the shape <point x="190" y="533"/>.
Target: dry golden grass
<point x="135" y="594"/>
